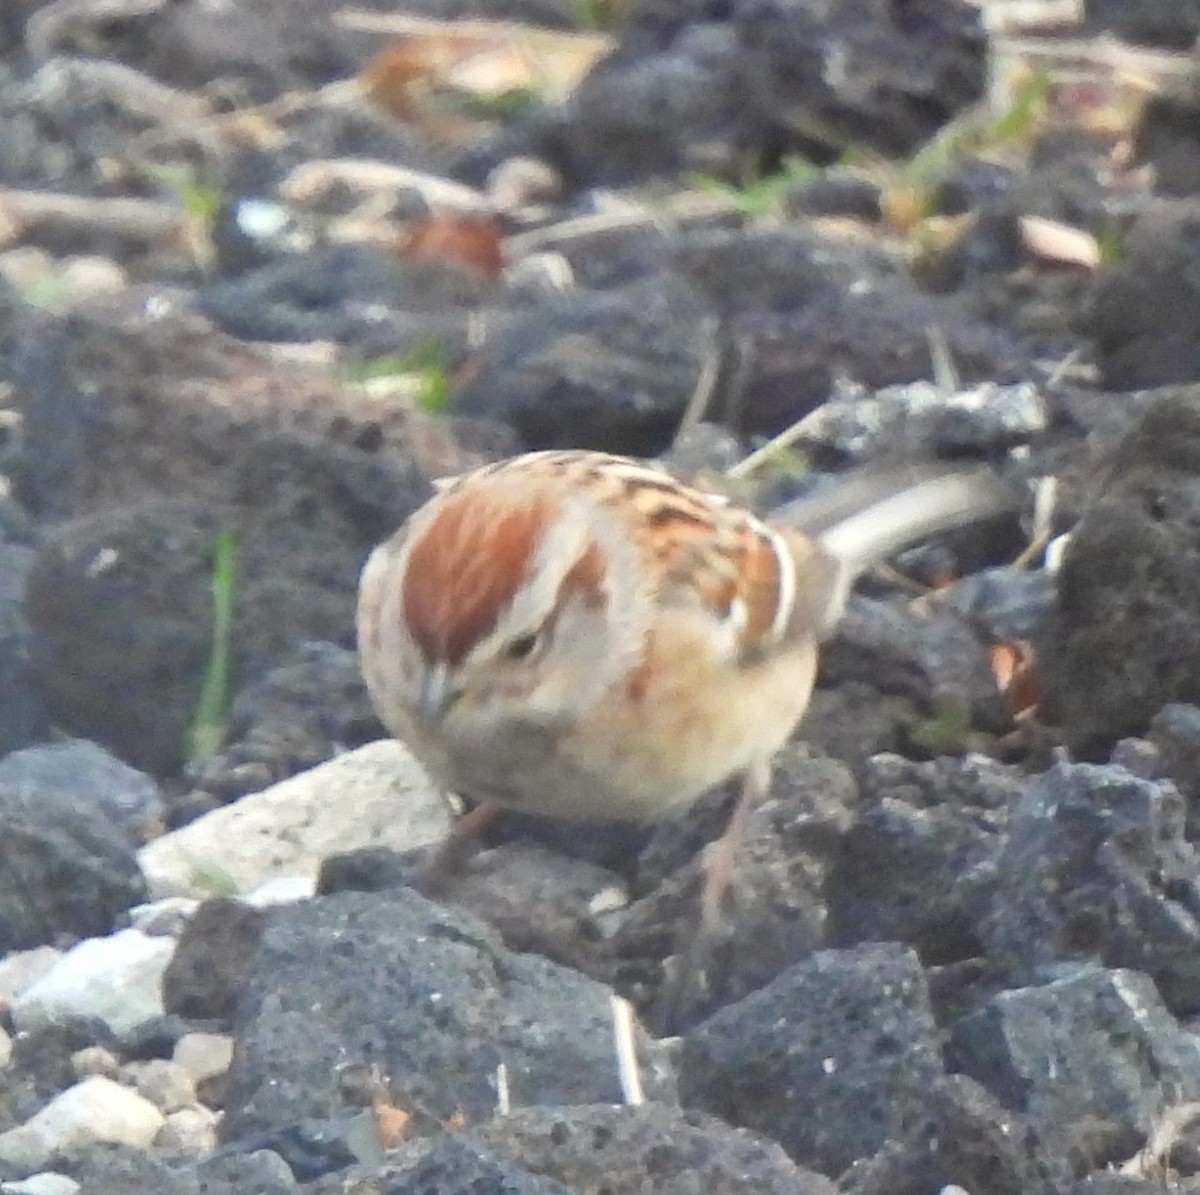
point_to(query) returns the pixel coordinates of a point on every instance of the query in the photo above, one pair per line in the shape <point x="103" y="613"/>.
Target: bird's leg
<point x="698" y="939"/>
<point x="458" y="848"/>
<point x="721" y="857"/>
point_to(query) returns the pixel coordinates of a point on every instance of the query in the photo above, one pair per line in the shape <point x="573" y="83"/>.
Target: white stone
<point x="49" y="1182"/>
<point x="190" y="1132"/>
<point x="163" y="918"/>
<point x="22" y="968"/>
<point x="94" y="1060"/>
<point x="87" y="276"/>
<point x="282" y="890"/>
<point x="6" y="1049"/>
<point x="204" y="1055"/>
<point x="96" y="1110"/>
<point x="167" y="1085"/>
<point x="374" y="796"/>
<point x="117" y="979"/>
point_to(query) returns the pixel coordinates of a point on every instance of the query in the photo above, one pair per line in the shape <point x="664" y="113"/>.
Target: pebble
<point x="95" y="1110"/>
<point x="190" y="1132"/>
<point x="117" y="980"/>
<point x="374" y="796"/>
<point x="163" y="918"/>
<point x="167" y="1085"/>
<point x="94" y="1060"/>
<point x="282" y="890"/>
<point x="22" y="969"/>
<point x="92" y="776"/>
<point x="859" y="423"/>
<point x="47" y="1183"/>
<point x="204" y="1056"/>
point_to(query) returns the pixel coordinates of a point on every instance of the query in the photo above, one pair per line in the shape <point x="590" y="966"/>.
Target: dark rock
<point x="611" y="369"/>
<point x="138" y="1172"/>
<point x="835" y="192"/>
<point x="622" y="1149"/>
<point x="965" y="1140"/>
<point x="59" y="121"/>
<point x="21" y="718"/>
<point x="777" y="891"/>
<point x="920" y="870"/>
<point x="450" y="1162"/>
<point x="854" y="721"/>
<point x="121" y="607"/>
<point x="673" y="842"/>
<point x="804" y="312"/>
<point x="907" y="72"/>
<point x="300" y="714"/>
<point x="831" y="1059"/>
<point x="1148" y="22"/>
<point x="1147" y="305"/>
<point x="538" y="898"/>
<point x="1095" y="866"/>
<point x="269" y="49"/>
<point x="13" y="18"/>
<point x="1010" y="603"/>
<point x="1124" y="638"/>
<point x="1112" y="1183"/>
<point x="539" y="901"/>
<point x="640" y="114"/>
<point x="156" y="1038"/>
<point x="975" y="783"/>
<point x="427" y="995"/>
<point x="874" y="332"/>
<point x="81" y="771"/>
<point x="368" y="869"/>
<point x="1093" y="1059"/>
<point x="307" y="485"/>
<point x="130" y="1171"/>
<point x="970" y="184"/>
<point x="753" y="271"/>
<point x="1139" y="757"/>
<point x="352" y="294"/>
<point x="930" y="656"/>
<point x="664" y="103"/>
<point x="1167" y="140"/>
<point x="260" y="1171"/>
<point x="1175" y="734"/>
<point x="775" y="907"/>
<point x="308" y="1149"/>
<point x="41" y="1065"/>
<point x="207" y="973"/>
<point x="65" y="868"/>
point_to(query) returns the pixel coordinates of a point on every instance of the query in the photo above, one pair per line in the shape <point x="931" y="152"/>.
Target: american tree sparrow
<point x="584" y="636"/>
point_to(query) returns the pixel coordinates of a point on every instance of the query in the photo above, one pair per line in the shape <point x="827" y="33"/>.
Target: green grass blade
<point x="212" y="712"/>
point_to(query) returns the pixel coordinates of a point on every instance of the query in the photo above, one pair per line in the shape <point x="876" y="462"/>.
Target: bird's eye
<point x="522" y="647"/>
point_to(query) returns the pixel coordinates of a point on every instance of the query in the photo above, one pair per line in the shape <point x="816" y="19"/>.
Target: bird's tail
<point x="872" y="515"/>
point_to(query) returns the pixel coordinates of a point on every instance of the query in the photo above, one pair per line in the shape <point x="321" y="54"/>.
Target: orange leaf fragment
<point x="392" y="1124"/>
<point x="1013" y="666"/>
<point x="472" y="240"/>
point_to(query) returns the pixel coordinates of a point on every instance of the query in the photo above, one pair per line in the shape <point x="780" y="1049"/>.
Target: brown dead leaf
<point x="480" y="61"/>
<point x="472" y="240"/>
